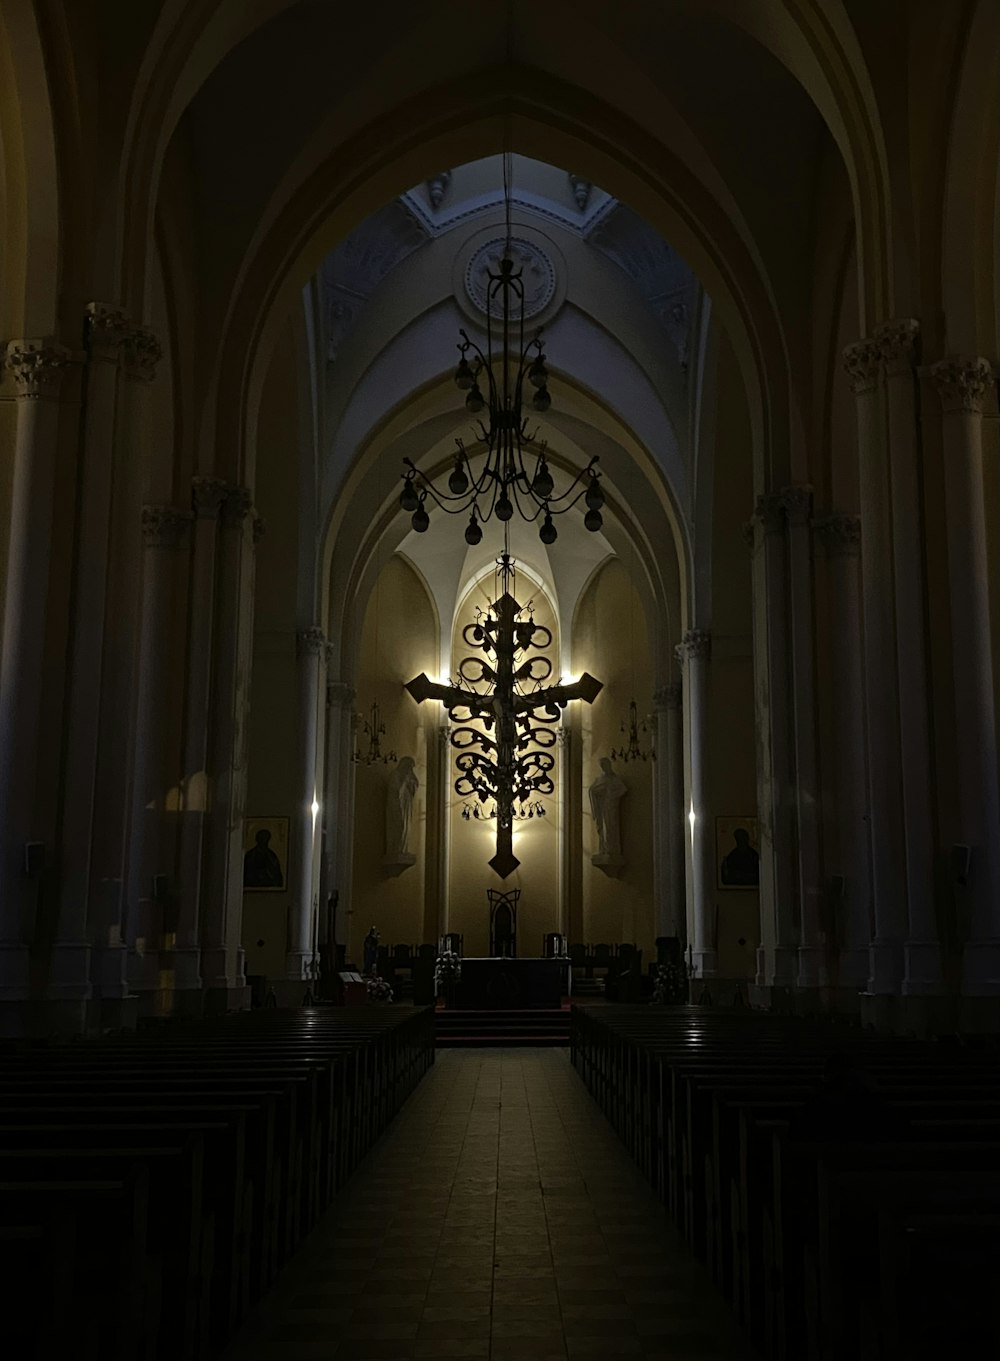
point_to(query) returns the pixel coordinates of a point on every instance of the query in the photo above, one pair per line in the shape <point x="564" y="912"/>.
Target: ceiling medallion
<point x="538" y="275"/>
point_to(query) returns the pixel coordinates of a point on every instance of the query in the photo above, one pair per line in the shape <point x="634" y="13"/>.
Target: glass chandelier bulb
<point x="593" y="520"/>
<point x="541" y="400"/>
<point x="473" y="534"/>
<point x="543" y="485"/>
<point x="474" y="400"/>
<point x="408" y="498"/>
<point x="464" y="377"/>
<point x="538" y="374"/>
<point x="594" y="497"/>
<point x="548" y="532"/>
<point x="504" y="508"/>
<point x="458" y="483"/>
<point x="420" y="520"/>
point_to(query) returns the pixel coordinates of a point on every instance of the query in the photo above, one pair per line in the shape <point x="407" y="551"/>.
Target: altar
<point x="503" y="984"/>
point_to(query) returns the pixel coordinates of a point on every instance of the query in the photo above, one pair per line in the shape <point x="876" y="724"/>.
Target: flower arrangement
<point x="447" y="969"/>
<point x="378" y="989"/>
<point x="669" y="985"/>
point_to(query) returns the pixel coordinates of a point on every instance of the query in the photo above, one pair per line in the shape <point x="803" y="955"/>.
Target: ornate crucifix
<point x="506" y="757"/>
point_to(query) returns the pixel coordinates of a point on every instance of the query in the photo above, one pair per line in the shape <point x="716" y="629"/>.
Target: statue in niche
<point x="370" y="949"/>
<point x="606" y="794"/>
<point x="399" y="795"/>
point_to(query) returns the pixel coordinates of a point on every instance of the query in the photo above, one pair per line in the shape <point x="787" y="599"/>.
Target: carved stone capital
<point x="840" y="535"/>
<point x="797" y="504"/>
<point x="963" y="383"/>
<point x="207" y="496"/>
<point x="897" y="342"/>
<point x="164" y="526"/>
<point x="236" y="506"/>
<point x="863" y="362"/>
<point x="106" y="328"/>
<point x="748" y="533"/>
<point x="259" y="527"/>
<point x="310" y="642"/>
<point x="444" y="737"/>
<point x="340" y="694"/>
<point x="37" y="367"/>
<point x="140" y="354"/>
<point x="669" y="696"/>
<point x="769" y="512"/>
<point x="695" y="643"/>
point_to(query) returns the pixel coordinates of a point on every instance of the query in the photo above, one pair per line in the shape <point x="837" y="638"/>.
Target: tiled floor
<point x="498" y="1219"/>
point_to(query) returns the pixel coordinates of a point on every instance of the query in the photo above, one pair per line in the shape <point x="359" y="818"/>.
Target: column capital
<point x="748" y="533"/>
<point x="140" y="354"/>
<point x="796" y="502"/>
<point x="236" y="506"/>
<point x="37" y="367"/>
<point x="897" y="342"/>
<point x="339" y="693"/>
<point x="840" y="535"/>
<point x="669" y="696"/>
<point x="769" y="512"/>
<point x="310" y="642"/>
<point x="444" y="736"/>
<point x="962" y="382"/>
<point x="207" y="496"/>
<point x="164" y="526"/>
<point x="863" y="363"/>
<point x="695" y="643"/>
<point x="105" y="329"/>
<point x="259" y="527"/>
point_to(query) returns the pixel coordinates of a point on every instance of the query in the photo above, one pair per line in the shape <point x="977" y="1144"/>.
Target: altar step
<point x="474" y="1029"/>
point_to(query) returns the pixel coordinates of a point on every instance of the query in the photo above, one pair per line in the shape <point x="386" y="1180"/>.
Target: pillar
<point x="310" y="646"/>
<point x="207" y="496"/>
<point x="897" y="342"/>
<point x="797" y="505"/>
<point x="849" y="921"/>
<point x="107" y="907"/>
<point x="668" y="811"/>
<point x="777" y="961"/>
<point x="105" y="332"/>
<point x="148" y="875"/>
<point x="37" y="368"/>
<point x="863" y="362"/>
<point x="444" y="789"/>
<point x="222" y="883"/>
<point x="693" y="653"/>
<point x="339" y="800"/>
<point x="963" y="385"/>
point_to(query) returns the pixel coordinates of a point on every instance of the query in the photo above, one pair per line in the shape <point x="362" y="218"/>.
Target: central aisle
<point x="498" y="1219"/>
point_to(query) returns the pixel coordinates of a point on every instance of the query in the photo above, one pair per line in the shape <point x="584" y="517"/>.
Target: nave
<point x="499" y="1217"/>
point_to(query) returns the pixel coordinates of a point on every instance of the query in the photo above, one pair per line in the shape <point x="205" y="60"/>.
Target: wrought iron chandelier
<point x="633" y="747"/>
<point x="374" y="730"/>
<point x="515" y="475"/>
<point x="506" y="757"/>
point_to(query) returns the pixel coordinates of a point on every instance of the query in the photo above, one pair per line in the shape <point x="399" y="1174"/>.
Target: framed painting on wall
<point x="737" y="853"/>
<point x="265" y="855"/>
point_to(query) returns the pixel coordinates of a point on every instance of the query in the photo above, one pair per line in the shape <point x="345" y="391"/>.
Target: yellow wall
<point x="536" y="841"/>
<point x="610" y="641"/>
<point x="398" y="641"/>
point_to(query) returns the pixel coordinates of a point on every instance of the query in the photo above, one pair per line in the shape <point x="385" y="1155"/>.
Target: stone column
<point x="963" y="385"/>
<point x="339" y="785"/>
<point x="797" y="504"/>
<point x="37" y="368"/>
<point x="777" y="962"/>
<point x="207" y="497"/>
<point x="572" y="832"/>
<point x="863" y="362"/>
<point x="120" y="646"/>
<point x="222" y="884"/>
<point x="106" y="328"/>
<point x="849" y="914"/>
<point x="668" y="811"/>
<point x="445" y="752"/>
<point x="921" y="952"/>
<point x="693" y="653"/>
<point x="310" y="645"/>
<point x="164" y="528"/>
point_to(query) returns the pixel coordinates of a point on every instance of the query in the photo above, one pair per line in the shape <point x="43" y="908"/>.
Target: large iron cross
<point x="506" y="758"/>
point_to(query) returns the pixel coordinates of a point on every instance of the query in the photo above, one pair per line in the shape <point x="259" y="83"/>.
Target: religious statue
<point x="371" y="951"/>
<point x="400" y="791"/>
<point x="606" y="793"/>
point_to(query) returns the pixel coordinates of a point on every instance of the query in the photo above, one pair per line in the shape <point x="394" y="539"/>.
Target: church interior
<point x="499" y="652"/>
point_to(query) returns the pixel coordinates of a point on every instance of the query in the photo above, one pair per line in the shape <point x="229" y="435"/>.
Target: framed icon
<point x="265" y="855"/>
<point x="737" y="853"/>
